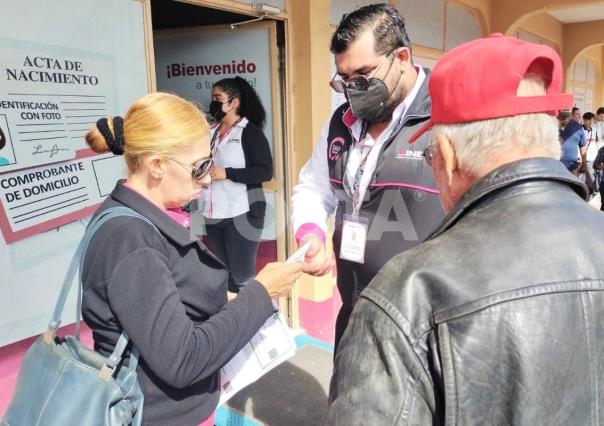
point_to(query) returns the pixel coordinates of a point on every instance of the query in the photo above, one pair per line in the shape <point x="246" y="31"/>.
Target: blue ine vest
<point x="401" y="203"/>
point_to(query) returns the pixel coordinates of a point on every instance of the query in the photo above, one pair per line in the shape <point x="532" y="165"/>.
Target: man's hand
<point x="317" y="261"/>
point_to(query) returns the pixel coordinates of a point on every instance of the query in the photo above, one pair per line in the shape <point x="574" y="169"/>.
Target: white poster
<point x="190" y="65"/>
<point x="63" y="65"/>
<point x="50" y="98"/>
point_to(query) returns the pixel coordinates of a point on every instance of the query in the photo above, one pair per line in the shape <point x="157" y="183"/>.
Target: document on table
<point x="272" y="345"/>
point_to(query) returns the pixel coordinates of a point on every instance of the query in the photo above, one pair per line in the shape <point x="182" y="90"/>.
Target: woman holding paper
<point x="234" y="204"/>
<point x="157" y="282"/>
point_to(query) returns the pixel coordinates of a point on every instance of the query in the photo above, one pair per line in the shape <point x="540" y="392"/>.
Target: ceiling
<point x="570" y="15"/>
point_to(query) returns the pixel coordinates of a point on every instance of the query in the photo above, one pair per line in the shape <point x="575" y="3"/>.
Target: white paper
<point x="298" y="255"/>
<point x="272" y="345"/>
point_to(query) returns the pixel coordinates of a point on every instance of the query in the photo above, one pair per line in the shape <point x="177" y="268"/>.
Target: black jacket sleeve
<point x="599" y="158"/>
<point x="144" y="298"/>
<point x="258" y="158"/>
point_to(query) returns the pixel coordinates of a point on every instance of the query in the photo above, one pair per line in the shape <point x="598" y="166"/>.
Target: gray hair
<point x="479" y="141"/>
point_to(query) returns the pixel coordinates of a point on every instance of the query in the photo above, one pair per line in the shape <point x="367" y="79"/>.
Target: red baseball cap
<point x="478" y="81"/>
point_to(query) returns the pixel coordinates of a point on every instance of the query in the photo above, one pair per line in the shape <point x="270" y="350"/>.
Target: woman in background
<point x="234" y="204"/>
<point x="164" y="288"/>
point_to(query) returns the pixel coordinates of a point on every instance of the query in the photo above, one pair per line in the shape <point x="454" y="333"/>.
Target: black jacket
<point x="498" y="319"/>
<point x="258" y="167"/>
<point x="170" y="295"/>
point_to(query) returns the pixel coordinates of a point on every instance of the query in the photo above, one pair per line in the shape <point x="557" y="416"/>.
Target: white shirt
<point x="313" y="199"/>
<point x="592" y="143"/>
<point x="599" y="126"/>
<point x="225" y="198"/>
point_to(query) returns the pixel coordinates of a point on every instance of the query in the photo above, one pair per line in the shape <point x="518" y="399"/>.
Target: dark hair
<point x="600" y="111"/>
<point x="250" y="105"/>
<point x="588" y="116"/>
<point x="387" y="24"/>
<point x="575" y="109"/>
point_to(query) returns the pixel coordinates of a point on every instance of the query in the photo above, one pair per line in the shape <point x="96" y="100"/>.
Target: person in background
<point x="152" y="280"/>
<point x="497" y="318"/>
<point x="592" y="139"/>
<point x="576" y="115"/>
<point x="362" y="164"/>
<point x="233" y="205"/>
<point x="599" y="167"/>
<point x="574" y="146"/>
<point x="598" y="124"/>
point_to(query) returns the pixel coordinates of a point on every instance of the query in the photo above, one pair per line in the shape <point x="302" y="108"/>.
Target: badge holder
<point x="354" y="238"/>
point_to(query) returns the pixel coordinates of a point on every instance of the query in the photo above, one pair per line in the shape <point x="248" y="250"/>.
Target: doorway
<point x="197" y="45"/>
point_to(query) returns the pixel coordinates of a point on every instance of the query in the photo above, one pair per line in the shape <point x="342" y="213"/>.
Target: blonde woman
<point x="165" y="289"/>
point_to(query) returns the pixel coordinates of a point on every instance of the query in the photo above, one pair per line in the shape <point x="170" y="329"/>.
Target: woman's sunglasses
<point x="199" y="170"/>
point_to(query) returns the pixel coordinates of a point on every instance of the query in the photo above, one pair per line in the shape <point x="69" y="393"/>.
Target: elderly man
<point x="497" y="318"/>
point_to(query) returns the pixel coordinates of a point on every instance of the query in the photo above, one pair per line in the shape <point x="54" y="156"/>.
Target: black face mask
<point x="369" y="104"/>
<point x="216" y="110"/>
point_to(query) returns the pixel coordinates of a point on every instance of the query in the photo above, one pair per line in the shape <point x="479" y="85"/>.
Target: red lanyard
<point x="213" y="144"/>
<point x="356" y="193"/>
<point x="214" y="148"/>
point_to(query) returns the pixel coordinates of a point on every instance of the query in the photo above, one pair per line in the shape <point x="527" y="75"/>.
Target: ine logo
<point x="410" y="154"/>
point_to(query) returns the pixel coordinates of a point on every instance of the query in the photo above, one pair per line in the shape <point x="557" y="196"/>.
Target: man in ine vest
<point x="363" y="166"/>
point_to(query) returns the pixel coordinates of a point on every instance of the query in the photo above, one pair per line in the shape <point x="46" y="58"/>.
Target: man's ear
<point x="403" y="53"/>
<point x="448" y="156"/>
<point x="156" y="165"/>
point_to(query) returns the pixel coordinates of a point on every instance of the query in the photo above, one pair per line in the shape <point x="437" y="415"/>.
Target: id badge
<point x="354" y="238"/>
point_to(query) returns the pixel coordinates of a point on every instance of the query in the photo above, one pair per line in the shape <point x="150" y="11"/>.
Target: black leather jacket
<point x="498" y="319"/>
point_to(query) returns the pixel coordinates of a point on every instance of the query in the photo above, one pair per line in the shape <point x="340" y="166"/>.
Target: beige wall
<point x="310" y="64"/>
<point x="543" y="26"/>
<point x="594" y="54"/>
<point x="483" y="12"/>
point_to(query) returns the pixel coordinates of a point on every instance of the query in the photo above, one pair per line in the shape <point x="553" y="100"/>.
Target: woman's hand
<point x="218" y="173"/>
<point x="279" y="277"/>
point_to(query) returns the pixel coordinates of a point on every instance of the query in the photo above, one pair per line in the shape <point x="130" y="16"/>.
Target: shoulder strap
<point x="76" y="264"/>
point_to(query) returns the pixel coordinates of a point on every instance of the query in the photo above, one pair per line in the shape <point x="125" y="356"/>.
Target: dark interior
<point x="167" y="14"/>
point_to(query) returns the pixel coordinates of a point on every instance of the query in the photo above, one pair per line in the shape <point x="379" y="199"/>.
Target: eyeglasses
<point x="358" y="82"/>
<point x="427" y="154"/>
<point x="199" y="170"/>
